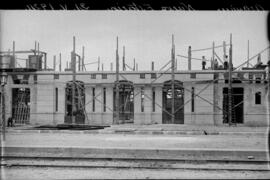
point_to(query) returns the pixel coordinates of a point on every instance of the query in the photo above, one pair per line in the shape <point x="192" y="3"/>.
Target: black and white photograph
<point x="126" y="94"/>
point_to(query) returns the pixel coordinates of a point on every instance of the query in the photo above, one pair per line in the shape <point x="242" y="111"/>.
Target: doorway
<point x="237" y="105"/>
<point x="21" y="105"/>
<point x="178" y="102"/>
<point x="126" y="102"/>
<point x="79" y="103"/>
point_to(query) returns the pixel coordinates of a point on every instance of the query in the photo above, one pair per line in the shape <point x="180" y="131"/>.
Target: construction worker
<point x="10" y="122"/>
<point x="203" y="63"/>
<point x="259" y="62"/>
<point x="215" y="64"/>
<point x="226" y="65"/>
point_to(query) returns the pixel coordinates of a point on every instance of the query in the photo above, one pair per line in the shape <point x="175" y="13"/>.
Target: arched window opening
<point x="178" y="102"/>
<point x="126" y="102"/>
<point x="75" y="103"/>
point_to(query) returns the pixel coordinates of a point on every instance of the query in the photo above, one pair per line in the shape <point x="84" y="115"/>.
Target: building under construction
<point x="217" y="94"/>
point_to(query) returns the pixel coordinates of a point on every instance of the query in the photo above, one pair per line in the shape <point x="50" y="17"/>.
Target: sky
<point x="146" y="35"/>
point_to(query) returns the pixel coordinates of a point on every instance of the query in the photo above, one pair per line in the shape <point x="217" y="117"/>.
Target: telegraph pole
<point x="230" y="84"/>
<point x="117" y="84"/>
<point x="173" y="77"/>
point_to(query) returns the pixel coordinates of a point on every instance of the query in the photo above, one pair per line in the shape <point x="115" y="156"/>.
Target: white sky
<point x="146" y="35"/>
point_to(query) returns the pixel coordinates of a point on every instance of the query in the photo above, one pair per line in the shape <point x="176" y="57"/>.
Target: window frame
<point x="142" y="75"/>
<point x="258" y="98"/>
<point x="104" y="76"/>
<point x="192" y="99"/>
<point x="93" y="100"/>
<point x="93" y="76"/>
<point x="153" y="75"/>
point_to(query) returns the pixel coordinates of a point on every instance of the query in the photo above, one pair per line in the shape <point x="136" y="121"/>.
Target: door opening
<point x="178" y="103"/>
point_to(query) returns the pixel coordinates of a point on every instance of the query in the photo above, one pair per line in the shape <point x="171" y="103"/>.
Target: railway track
<point x="135" y="163"/>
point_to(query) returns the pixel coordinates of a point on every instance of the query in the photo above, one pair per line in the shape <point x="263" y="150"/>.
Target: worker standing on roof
<point x="215" y="64"/>
<point x="203" y="63"/>
<point x="226" y="65"/>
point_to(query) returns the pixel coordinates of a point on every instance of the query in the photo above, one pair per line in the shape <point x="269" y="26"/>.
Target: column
<point x="147" y="104"/>
<point x="99" y="105"/>
<point x="157" y="118"/>
<point x="88" y="104"/>
<point x="138" y="115"/>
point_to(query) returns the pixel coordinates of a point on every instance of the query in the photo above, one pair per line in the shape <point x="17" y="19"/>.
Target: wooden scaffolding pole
<point x="134" y="64"/>
<point x="73" y="62"/>
<point x="45" y="61"/>
<point x="189" y="58"/>
<point x="224" y="52"/>
<point x="38" y="49"/>
<point x="124" y="63"/>
<point x="60" y="62"/>
<point x="213" y="56"/>
<point x="248" y="54"/>
<point x="83" y="67"/>
<point x="173" y="77"/>
<point x="230" y="84"/>
<point x="3" y="109"/>
<point x="79" y="64"/>
<point x="35" y="47"/>
<point x="98" y="62"/>
<point x="54" y="62"/>
<point x="117" y="84"/>
<point x="13" y="53"/>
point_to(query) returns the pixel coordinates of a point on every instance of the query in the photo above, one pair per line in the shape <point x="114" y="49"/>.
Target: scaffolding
<point x="229" y="107"/>
<point x="122" y="108"/>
